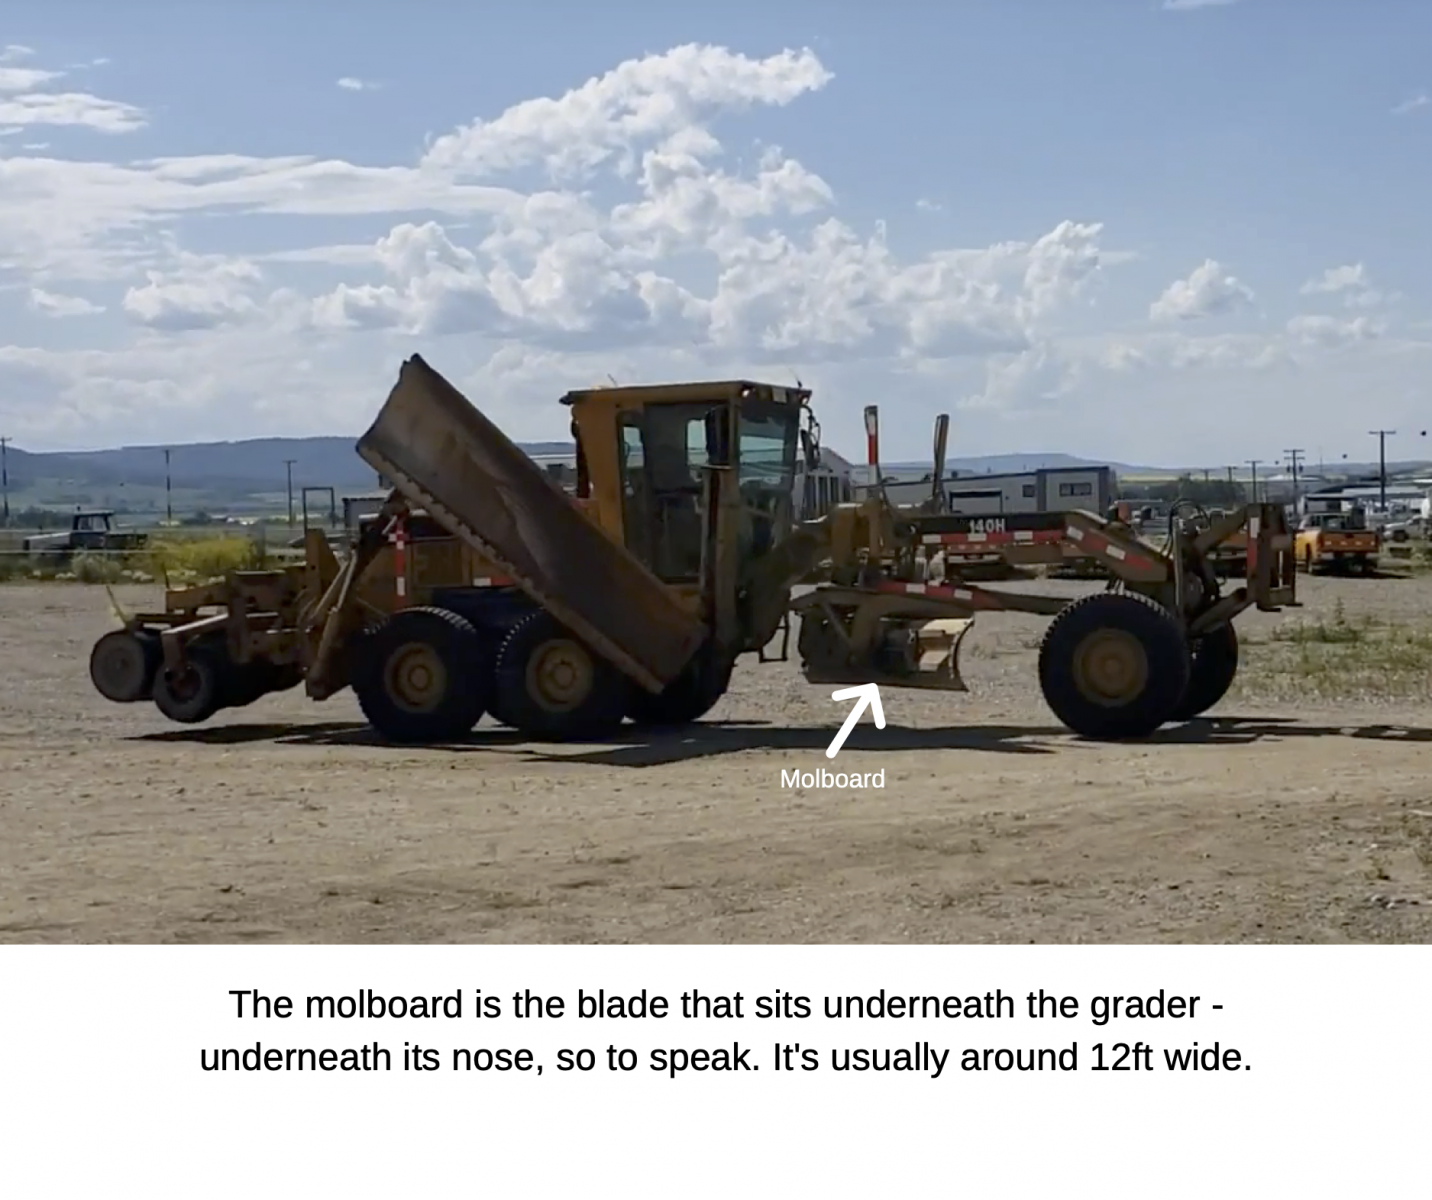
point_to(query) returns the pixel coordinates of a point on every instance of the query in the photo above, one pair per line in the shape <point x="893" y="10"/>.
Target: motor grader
<point x="481" y="587"/>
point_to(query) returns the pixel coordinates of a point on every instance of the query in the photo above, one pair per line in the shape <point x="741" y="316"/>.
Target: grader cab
<point x="483" y="588"/>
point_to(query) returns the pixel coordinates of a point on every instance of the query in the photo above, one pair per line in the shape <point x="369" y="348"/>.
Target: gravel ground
<point x="1300" y="813"/>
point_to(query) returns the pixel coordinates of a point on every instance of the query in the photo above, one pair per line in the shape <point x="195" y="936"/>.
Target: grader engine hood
<point x="445" y="456"/>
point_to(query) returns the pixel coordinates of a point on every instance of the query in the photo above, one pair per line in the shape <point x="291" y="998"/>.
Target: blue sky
<point x="1181" y="237"/>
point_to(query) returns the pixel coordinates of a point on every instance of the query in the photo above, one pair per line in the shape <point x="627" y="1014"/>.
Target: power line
<point x="288" y="464"/>
<point x="1295" y="457"/>
<point x="1382" y="435"/>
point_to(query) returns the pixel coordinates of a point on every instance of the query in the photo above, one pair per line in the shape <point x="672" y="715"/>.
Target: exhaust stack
<point x="872" y="443"/>
<point x="937" y="480"/>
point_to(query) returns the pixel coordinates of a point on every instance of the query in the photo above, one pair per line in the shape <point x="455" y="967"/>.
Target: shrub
<point x="202" y="558"/>
<point x="96" y="568"/>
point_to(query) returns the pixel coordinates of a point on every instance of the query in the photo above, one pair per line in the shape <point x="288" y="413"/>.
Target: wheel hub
<point x="1111" y="667"/>
<point x="415" y="678"/>
<point x="560" y="675"/>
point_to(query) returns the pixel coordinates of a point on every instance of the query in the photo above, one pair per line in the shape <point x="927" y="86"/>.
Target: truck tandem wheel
<point x="1213" y="663"/>
<point x="1114" y="666"/>
<point x="421" y="676"/>
<point x="551" y="685"/>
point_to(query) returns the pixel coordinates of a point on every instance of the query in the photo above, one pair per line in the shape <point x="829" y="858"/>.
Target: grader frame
<point x="558" y="615"/>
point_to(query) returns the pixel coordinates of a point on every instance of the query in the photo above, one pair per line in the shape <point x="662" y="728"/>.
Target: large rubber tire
<point x="552" y="686"/>
<point x="687" y="698"/>
<point x="196" y="693"/>
<point x="124" y="663"/>
<point x="1114" y="666"/>
<point x="422" y="676"/>
<point x="1213" y="663"/>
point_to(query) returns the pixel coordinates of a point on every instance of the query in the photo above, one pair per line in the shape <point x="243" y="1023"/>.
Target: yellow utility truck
<point x="1338" y="542"/>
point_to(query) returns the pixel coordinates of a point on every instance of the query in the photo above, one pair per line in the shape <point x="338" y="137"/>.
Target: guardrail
<point x="271" y="552"/>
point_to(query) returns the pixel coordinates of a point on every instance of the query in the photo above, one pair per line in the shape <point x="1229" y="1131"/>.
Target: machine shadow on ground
<point x="635" y="747"/>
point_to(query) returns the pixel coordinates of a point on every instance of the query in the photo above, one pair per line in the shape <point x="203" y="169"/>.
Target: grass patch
<point x="201" y="558"/>
<point x="1339" y="659"/>
<point x="1337" y="631"/>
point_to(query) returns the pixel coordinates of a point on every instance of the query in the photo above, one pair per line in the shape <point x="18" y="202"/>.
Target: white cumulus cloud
<point x="628" y="226"/>
<point x="1209" y="291"/>
<point x="55" y="304"/>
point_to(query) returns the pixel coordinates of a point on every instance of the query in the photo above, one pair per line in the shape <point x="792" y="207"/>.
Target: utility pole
<point x="168" y="491"/>
<point x="288" y="463"/>
<point x="5" y="476"/>
<point x="1295" y="458"/>
<point x="1382" y="435"/>
<point x="1253" y="463"/>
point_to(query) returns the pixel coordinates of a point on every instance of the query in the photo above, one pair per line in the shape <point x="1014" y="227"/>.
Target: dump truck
<point x="481" y="587"/>
<point x="1338" y="542"/>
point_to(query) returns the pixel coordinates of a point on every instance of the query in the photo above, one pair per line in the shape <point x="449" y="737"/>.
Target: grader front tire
<point x="1114" y="666"/>
<point x="1212" y="667"/>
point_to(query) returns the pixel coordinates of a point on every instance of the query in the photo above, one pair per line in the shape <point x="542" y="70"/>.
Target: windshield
<point x="766" y="475"/>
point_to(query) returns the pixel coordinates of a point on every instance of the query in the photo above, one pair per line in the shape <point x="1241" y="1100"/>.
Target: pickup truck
<point x="91" y="530"/>
<point x="1336" y="541"/>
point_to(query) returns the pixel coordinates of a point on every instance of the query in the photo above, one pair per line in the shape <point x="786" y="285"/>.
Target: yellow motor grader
<point x="482" y="588"/>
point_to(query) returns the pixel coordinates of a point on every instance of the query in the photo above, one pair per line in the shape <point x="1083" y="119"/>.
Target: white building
<point x="1052" y="489"/>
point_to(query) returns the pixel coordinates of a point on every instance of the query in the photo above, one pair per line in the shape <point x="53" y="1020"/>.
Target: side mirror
<point x="810" y="450"/>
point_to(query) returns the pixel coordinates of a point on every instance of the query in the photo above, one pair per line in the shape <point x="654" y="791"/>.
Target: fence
<point x="185" y="557"/>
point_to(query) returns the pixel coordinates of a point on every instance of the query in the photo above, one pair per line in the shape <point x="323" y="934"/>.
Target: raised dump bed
<point x="445" y="456"/>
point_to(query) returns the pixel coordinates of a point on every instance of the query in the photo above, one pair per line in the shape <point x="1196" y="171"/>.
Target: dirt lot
<point x="1301" y="813"/>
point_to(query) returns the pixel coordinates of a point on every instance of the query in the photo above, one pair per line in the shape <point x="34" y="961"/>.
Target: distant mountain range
<point x="252" y="475"/>
<point x="223" y="466"/>
<point x="216" y="477"/>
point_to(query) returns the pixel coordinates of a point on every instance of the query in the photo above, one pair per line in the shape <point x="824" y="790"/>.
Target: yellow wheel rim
<point x="560" y="675"/>
<point x="415" y="678"/>
<point x="1111" y="668"/>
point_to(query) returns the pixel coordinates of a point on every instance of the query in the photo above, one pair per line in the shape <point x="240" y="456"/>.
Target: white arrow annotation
<point x="867" y="694"/>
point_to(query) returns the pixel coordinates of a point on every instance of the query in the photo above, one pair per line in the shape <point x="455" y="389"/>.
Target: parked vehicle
<point x="90" y="530"/>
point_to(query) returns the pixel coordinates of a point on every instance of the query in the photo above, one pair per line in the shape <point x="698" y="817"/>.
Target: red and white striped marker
<point x="398" y="535"/>
<point x="1016" y="537"/>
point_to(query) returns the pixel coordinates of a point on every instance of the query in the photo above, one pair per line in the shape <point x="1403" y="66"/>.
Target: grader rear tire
<point x="1114" y="666"/>
<point x="552" y="686"/>
<point x="422" y="677"/>
<point x="1212" y="667"/>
